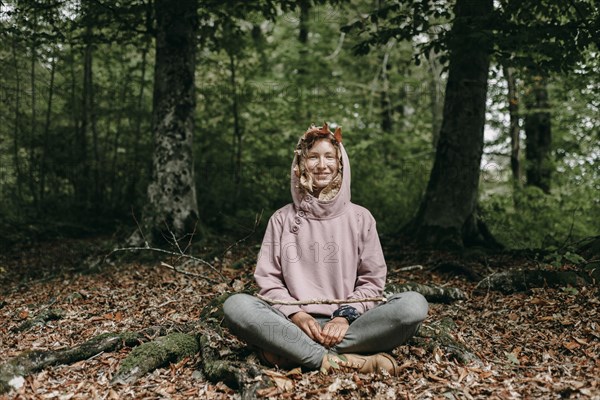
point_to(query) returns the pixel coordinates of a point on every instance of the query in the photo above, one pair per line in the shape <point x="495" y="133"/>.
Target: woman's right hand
<point x="308" y="324"/>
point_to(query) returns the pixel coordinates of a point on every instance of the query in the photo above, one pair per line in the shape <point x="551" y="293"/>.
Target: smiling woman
<point x="323" y="246"/>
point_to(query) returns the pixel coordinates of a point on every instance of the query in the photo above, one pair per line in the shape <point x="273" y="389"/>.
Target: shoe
<point x="359" y="363"/>
<point x="274" y="360"/>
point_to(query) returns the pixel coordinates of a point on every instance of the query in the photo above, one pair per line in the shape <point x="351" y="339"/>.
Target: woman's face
<point x="322" y="163"/>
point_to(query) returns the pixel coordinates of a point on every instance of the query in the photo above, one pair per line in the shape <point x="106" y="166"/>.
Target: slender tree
<point x="538" y="135"/>
<point x="514" y="129"/>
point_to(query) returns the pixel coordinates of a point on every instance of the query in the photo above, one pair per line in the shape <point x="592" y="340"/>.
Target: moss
<point x="149" y="356"/>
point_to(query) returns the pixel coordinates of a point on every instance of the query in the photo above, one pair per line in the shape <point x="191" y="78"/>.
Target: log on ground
<point x="522" y="280"/>
<point x="13" y="372"/>
<point x="155" y="354"/>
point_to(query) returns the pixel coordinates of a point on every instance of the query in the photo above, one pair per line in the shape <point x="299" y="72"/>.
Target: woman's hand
<point x="308" y="324"/>
<point x="334" y="331"/>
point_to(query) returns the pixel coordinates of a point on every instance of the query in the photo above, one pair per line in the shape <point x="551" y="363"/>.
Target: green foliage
<point x="540" y="220"/>
<point x="258" y="88"/>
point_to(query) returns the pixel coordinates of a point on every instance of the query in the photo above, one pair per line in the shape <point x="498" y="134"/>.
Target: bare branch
<point x="139" y="227"/>
<point x="256" y="222"/>
<point x="180" y="271"/>
<point x="172" y="253"/>
<point x="338" y="48"/>
<point x="321" y="301"/>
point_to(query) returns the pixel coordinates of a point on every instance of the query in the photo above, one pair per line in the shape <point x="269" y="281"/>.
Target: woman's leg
<point x="387" y="326"/>
<point x="261" y="325"/>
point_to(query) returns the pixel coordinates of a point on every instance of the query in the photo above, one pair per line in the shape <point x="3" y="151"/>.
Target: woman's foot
<point x="360" y="363"/>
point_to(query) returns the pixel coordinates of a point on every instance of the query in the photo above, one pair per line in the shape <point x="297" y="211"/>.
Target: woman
<point x="322" y="246"/>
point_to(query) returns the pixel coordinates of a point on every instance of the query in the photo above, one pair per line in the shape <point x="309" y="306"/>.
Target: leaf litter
<point x="544" y="343"/>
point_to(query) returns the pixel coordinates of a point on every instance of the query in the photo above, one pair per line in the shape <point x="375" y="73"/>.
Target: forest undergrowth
<point x="544" y="343"/>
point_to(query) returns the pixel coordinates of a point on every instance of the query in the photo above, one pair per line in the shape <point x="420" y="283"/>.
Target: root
<point x="13" y="372"/>
<point x="158" y="353"/>
<point x="437" y="335"/>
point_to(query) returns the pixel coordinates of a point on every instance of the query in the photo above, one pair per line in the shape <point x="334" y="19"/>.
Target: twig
<point x="410" y="268"/>
<point x="180" y="271"/>
<point x="338" y="48"/>
<point x="139" y="227"/>
<point x="172" y="253"/>
<point x="321" y="301"/>
<point x="257" y="219"/>
<point x="174" y="239"/>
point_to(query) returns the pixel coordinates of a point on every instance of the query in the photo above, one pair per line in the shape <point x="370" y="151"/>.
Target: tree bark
<point x="447" y="215"/>
<point x="172" y="204"/>
<point x="538" y="135"/>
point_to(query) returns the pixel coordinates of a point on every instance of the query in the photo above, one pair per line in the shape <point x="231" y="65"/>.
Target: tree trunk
<point x="115" y="192"/>
<point x="447" y="215"/>
<point x="33" y="132"/>
<point x="236" y="147"/>
<point x="385" y="101"/>
<point x="138" y="125"/>
<point x="17" y="123"/>
<point x="538" y="137"/>
<point x="435" y="92"/>
<point x="42" y="186"/>
<point x="302" y="85"/>
<point x="82" y="179"/>
<point x="514" y="129"/>
<point x="172" y="206"/>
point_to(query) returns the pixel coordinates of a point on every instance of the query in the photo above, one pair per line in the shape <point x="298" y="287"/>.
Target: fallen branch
<point x="522" y="280"/>
<point x="13" y="372"/>
<point x="155" y="354"/>
<point x="409" y="268"/>
<point x="321" y="301"/>
<point x="172" y="253"/>
<point x="433" y="293"/>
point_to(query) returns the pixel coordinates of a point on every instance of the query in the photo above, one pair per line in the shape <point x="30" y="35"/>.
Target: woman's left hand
<point x="334" y="331"/>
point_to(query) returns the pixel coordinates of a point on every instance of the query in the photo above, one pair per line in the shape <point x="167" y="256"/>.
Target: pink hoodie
<point x="316" y="249"/>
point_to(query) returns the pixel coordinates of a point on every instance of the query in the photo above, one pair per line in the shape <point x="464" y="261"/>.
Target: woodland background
<point x="76" y="139"/>
<point x="473" y="132"/>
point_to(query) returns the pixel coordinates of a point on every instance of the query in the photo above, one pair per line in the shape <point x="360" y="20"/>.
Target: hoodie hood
<point x="310" y="205"/>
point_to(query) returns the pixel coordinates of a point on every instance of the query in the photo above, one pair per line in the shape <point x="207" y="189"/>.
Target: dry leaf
<point x="571" y="345"/>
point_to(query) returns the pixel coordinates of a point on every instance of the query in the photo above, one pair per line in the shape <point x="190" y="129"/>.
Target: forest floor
<point x="544" y="343"/>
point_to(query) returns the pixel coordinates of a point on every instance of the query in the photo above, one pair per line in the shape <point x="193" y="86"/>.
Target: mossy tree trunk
<point x="172" y="204"/>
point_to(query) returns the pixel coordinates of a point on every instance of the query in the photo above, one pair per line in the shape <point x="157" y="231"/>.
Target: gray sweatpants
<point x="380" y="329"/>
